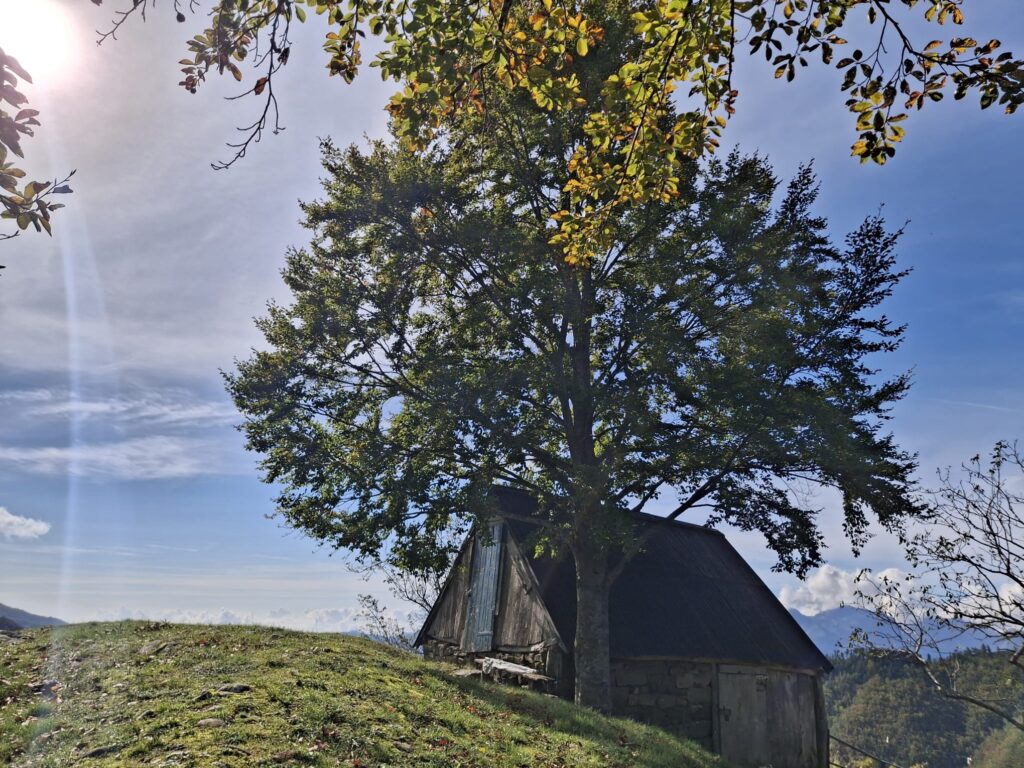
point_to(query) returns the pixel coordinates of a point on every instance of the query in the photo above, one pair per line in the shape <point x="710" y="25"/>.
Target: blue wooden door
<point x="483" y="591"/>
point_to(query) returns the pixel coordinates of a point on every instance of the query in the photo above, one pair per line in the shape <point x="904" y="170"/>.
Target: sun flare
<point x="42" y="36"/>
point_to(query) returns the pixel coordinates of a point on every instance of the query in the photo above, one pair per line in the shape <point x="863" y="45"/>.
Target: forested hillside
<point x="887" y="707"/>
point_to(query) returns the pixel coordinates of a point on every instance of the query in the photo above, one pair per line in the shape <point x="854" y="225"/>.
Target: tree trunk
<point x="591" y="651"/>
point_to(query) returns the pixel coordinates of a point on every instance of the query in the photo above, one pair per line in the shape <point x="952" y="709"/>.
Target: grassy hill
<point x="138" y="693"/>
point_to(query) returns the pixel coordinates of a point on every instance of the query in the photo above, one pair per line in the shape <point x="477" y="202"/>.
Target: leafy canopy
<point x="437" y="343"/>
<point x="649" y="80"/>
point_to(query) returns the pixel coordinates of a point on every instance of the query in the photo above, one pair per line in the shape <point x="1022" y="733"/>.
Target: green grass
<point x="323" y="700"/>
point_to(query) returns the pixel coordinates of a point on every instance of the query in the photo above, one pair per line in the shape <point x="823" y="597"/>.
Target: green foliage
<point x="315" y="699"/>
<point x="1002" y="749"/>
<point x="437" y="343"/>
<point x="29" y="206"/>
<point x="659" y="93"/>
<point x="887" y="707"/>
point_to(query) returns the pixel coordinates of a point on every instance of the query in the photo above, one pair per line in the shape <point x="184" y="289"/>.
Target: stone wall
<point x="674" y="695"/>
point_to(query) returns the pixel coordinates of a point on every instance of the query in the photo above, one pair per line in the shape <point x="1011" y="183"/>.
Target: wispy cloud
<point x="165" y="548"/>
<point x="169" y="407"/>
<point x="27" y="396"/>
<point x="144" y="458"/>
<point x="17" y="527"/>
<point x="983" y="406"/>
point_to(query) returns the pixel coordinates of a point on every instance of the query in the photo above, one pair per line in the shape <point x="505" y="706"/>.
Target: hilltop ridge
<point x="26" y="619"/>
<point x="133" y="693"/>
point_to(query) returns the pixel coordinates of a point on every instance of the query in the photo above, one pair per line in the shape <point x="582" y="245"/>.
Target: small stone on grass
<point x="234" y="688"/>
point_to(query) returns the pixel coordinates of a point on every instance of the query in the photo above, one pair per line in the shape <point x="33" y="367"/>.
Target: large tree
<point x="437" y="343"/>
<point x="663" y="95"/>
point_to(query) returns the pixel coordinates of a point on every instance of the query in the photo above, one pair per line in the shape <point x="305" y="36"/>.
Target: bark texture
<point x="592" y="649"/>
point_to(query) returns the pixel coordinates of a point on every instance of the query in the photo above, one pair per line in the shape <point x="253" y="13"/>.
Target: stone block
<point x="641" y="700"/>
<point x="631" y="676"/>
<point x="683" y="679"/>
<point x="699" y="695"/>
<point x="699" y="729"/>
<point x="702" y="675"/>
<point x="663" y="684"/>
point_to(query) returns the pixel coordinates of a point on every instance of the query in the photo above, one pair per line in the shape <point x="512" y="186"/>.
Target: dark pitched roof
<point x="687" y="594"/>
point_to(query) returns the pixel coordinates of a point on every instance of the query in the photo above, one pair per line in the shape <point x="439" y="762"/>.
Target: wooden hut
<point x="699" y="645"/>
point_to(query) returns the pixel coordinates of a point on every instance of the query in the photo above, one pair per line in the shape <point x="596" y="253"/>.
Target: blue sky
<point x="125" y="488"/>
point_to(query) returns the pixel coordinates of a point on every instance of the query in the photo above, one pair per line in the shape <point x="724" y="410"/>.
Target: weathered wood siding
<point x="448" y="622"/>
<point x="482" y="599"/>
<point x="768" y="717"/>
<point x="523" y="621"/>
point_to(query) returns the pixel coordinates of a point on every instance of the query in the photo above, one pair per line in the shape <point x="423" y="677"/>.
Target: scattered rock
<point x="47" y="688"/>
<point x="403" y="746"/>
<point x="153" y="648"/>
<point x="204" y="696"/>
<point x="211" y="722"/>
<point x="234" y="688"/>
<point x="102" y="751"/>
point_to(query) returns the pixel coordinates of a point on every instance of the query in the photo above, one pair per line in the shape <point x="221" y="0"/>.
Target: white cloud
<point x="145" y="458"/>
<point x="314" y="620"/>
<point x="173" y="407"/>
<point x="17" y="527"/>
<point x="829" y="587"/>
<point x="28" y="396"/>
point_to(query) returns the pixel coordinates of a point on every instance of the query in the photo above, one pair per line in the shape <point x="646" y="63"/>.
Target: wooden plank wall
<point x="523" y="620"/>
<point x="769" y="717"/>
<point x="449" y="619"/>
<point x="484" y="584"/>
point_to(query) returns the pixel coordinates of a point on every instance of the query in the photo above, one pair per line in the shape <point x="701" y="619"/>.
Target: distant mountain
<point x="26" y="619"/>
<point x="6" y="625"/>
<point x="830" y="630"/>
